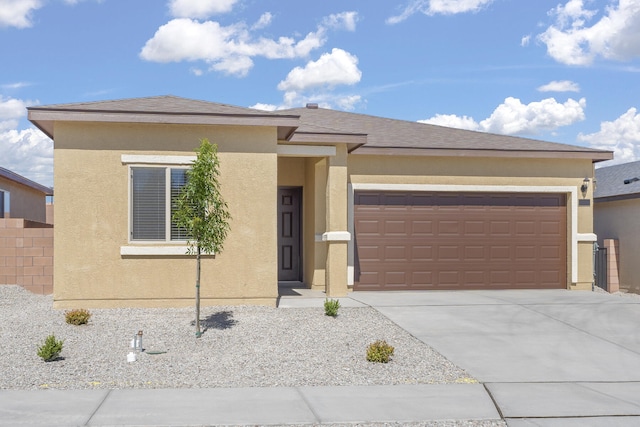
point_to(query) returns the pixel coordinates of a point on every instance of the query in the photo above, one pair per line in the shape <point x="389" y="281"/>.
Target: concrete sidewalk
<point x="246" y="406"/>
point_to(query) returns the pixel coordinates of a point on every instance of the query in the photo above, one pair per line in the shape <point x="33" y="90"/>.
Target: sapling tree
<point x="202" y="212"/>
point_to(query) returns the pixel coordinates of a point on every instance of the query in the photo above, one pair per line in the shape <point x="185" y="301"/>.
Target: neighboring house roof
<point x="363" y="134"/>
<point x="12" y="176"/>
<point x="610" y="182"/>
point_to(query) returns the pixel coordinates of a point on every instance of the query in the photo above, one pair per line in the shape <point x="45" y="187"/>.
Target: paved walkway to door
<point x="545" y="357"/>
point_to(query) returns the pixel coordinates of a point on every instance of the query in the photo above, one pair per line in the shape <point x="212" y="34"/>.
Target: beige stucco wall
<point x="25" y="202"/>
<point x="621" y="220"/>
<point x="92" y="185"/>
<point x="478" y="171"/>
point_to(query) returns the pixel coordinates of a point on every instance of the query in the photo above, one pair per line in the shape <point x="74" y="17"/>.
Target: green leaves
<point x="201" y="210"/>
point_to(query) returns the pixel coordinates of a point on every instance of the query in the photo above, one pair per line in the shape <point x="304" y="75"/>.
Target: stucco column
<point x="336" y="235"/>
<point x="613" y="249"/>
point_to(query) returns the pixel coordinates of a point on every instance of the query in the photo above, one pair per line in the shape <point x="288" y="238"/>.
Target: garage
<point x="441" y="240"/>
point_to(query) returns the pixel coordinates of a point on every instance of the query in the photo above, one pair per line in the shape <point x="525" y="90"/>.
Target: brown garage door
<point x="422" y="240"/>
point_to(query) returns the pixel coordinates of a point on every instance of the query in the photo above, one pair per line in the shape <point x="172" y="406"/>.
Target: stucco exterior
<point x="101" y="211"/>
<point x="616" y="211"/>
<point x="618" y="220"/>
<point x="98" y="265"/>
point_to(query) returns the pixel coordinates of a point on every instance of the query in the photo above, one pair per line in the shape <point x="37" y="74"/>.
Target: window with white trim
<point x="153" y="194"/>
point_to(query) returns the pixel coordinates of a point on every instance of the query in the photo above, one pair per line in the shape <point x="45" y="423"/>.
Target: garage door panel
<point x="475" y="228"/>
<point x="459" y="241"/>
<point x="421" y="279"/>
<point x="474" y="253"/>
<point x="525" y="228"/>
<point x="368" y="227"/>
<point x="449" y="253"/>
<point x="395" y="227"/>
<point x="395" y="253"/>
<point x="447" y="227"/>
<point x="500" y="227"/>
<point x="449" y="277"/>
<point x="550" y="227"/>
<point x="421" y="228"/>
<point x="421" y="253"/>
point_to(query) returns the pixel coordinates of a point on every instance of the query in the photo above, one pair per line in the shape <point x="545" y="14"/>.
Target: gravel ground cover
<point x="241" y="347"/>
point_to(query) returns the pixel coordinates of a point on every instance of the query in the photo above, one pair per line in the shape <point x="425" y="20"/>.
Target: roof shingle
<point x="610" y="181"/>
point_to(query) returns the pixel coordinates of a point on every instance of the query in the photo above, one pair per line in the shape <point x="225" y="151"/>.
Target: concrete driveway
<point x="547" y="357"/>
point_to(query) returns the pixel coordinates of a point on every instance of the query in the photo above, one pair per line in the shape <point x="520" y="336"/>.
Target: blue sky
<point x="560" y="70"/>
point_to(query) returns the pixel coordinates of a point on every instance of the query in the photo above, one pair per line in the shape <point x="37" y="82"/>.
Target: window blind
<point x="178" y="180"/>
<point x="148" y="203"/>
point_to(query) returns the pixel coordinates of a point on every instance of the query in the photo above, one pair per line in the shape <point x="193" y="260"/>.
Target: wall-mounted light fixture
<point x="585" y="186"/>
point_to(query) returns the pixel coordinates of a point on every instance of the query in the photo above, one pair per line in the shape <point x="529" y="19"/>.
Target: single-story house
<point x="616" y="215"/>
<point x="22" y="198"/>
<point x="326" y="199"/>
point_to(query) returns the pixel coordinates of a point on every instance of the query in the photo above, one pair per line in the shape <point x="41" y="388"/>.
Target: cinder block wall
<point x="26" y="255"/>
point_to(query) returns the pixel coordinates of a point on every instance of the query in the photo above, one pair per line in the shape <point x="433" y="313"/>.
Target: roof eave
<point x="44" y="119"/>
<point x="12" y="176"/>
<point x="594" y="156"/>
<point x="616" y="197"/>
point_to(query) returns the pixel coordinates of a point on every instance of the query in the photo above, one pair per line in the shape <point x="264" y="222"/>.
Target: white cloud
<point x="515" y="118"/>
<point x="435" y="7"/>
<point x="11" y="111"/>
<point x="324" y="100"/>
<point x="17" y="85"/>
<point x="17" y="13"/>
<point x="525" y="40"/>
<point x="199" y="8"/>
<point x="230" y="49"/>
<point x="622" y="136"/>
<point x="341" y="21"/>
<point x="27" y="152"/>
<point x="616" y="36"/>
<point x="336" y="68"/>
<point x="263" y="22"/>
<point x="264" y="107"/>
<point x="453" y="121"/>
<point x="560" y="86"/>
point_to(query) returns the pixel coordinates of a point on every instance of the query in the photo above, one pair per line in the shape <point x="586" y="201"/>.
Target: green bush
<point x="331" y="307"/>
<point x="51" y="349"/>
<point x="77" y="317"/>
<point x="380" y="352"/>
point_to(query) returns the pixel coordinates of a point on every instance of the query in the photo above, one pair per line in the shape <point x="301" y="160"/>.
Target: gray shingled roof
<point x="380" y="132"/>
<point x="12" y="176"/>
<point x="610" y="181"/>
<point x="166" y="104"/>
<point x="391" y="133"/>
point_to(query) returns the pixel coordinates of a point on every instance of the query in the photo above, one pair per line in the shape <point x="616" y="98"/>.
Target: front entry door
<point x="289" y="259"/>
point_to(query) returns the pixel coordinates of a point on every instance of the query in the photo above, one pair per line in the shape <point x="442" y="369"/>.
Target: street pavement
<point x="542" y="358"/>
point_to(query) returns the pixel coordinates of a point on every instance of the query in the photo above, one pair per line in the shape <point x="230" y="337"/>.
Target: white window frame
<point x="154" y="247"/>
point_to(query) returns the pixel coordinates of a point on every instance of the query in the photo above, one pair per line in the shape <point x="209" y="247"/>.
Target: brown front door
<point x="289" y="259"/>
<point x="408" y="240"/>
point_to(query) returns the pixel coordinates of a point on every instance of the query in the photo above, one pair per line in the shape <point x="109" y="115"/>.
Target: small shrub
<point x="331" y="307"/>
<point x="380" y="352"/>
<point x="77" y="317"/>
<point x="51" y="349"/>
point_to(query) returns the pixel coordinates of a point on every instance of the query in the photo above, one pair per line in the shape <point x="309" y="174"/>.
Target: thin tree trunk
<point x="198" y="333"/>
